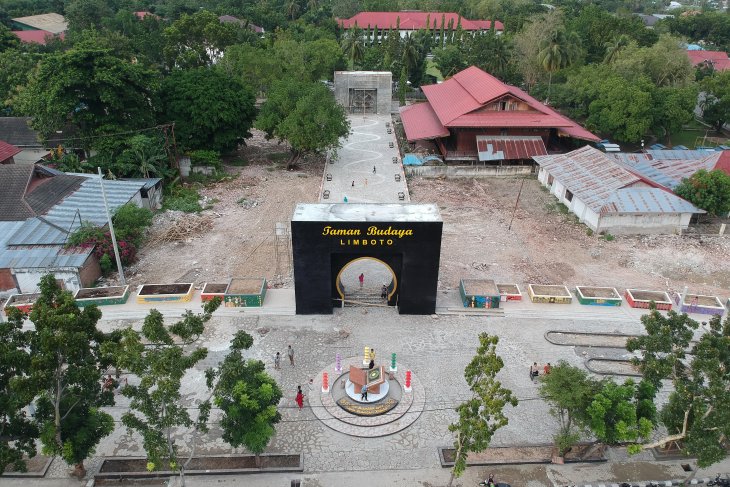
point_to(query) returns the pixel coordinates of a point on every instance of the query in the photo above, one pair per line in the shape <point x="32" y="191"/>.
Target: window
<point x="503" y="105"/>
<point x="568" y="195"/>
<point x="550" y="180"/>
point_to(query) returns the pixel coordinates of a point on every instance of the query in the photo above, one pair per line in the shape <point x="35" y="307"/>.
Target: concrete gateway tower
<point x="364" y="91"/>
<point x="402" y="239"/>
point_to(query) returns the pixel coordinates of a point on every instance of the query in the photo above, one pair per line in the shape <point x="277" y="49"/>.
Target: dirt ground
<point x="543" y="245"/>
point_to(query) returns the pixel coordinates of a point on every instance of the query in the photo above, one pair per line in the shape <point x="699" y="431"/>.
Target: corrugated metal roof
<point x="667" y="172"/>
<point x="602" y="183"/>
<point x="88" y="204"/>
<point x="51" y="256"/>
<point x="7" y="150"/>
<point x="36" y="231"/>
<point x="52" y="22"/>
<point x="492" y="148"/>
<point x="647" y="200"/>
<point x="415" y="21"/>
<point x="7" y="229"/>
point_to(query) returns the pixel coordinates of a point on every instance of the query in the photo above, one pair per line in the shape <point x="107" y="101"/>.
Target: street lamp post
<point x="111" y="230"/>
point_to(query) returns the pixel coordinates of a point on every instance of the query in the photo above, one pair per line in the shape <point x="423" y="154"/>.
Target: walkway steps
<point x="461" y="311"/>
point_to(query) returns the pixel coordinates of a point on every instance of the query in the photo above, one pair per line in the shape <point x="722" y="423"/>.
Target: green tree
<point x="146" y="154"/>
<point x="17" y="432"/>
<point x="305" y="115"/>
<point x="90" y="88"/>
<point x="482" y="415"/>
<point x="256" y="67"/>
<point x="673" y="107"/>
<point x="622" y="412"/>
<point x="210" y="111"/>
<point x="557" y="52"/>
<point x="8" y="40"/>
<point x="353" y="46"/>
<point x="698" y="410"/>
<point x="248" y="397"/>
<point x="156" y="407"/>
<point x="402" y="86"/>
<point x="709" y="190"/>
<point x="450" y="60"/>
<point x="197" y="40"/>
<point x="130" y="222"/>
<point x="716" y="102"/>
<point x="615" y="47"/>
<point x="67" y="366"/>
<point x="86" y="14"/>
<point x="536" y="31"/>
<point x="622" y="109"/>
<point x="569" y="391"/>
<point x="16" y="66"/>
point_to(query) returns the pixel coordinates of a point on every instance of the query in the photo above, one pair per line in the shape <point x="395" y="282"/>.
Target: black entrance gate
<point x="326" y="237"/>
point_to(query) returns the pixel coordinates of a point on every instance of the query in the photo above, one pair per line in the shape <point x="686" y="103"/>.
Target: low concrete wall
<point x="468" y="171"/>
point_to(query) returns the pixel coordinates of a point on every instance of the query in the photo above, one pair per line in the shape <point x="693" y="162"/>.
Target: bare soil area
<point x="100" y="292"/>
<point x="543" y="245"/>
<point x="598" y="292"/>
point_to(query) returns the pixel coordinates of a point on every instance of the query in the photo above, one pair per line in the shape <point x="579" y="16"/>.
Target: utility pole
<point x="111" y="229"/>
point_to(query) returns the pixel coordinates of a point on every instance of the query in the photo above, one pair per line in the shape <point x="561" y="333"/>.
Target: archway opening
<point x="362" y="281"/>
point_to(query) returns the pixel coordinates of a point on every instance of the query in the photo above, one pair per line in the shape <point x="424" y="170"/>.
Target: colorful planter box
<point x="509" y="292"/>
<point x="704" y="305"/>
<point x="598" y="296"/>
<point x="24" y="302"/>
<point x="212" y="290"/>
<point x="101" y="296"/>
<point x="170" y="293"/>
<point x="244" y="292"/>
<point x="548" y="293"/>
<point x="479" y="293"/>
<point x="638" y="298"/>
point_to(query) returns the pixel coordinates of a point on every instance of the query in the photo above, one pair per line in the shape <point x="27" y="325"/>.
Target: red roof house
<point x="143" y="13"/>
<point x="717" y="59"/>
<point x="475" y="116"/>
<point x="7" y="152"/>
<point x="36" y="36"/>
<point x="409" y="21"/>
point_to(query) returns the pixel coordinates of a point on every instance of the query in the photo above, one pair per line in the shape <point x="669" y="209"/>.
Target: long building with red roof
<point x="409" y="21"/>
<point x="475" y="116"/>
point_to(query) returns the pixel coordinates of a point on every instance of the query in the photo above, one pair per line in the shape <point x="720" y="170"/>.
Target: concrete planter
<point x="171" y="293"/>
<point x="212" y="290"/>
<point x="553" y="294"/>
<point x="509" y="292"/>
<point x="245" y="292"/>
<point x="102" y="296"/>
<point x="700" y="304"/>
<point x="638" y="298"/>
<point x="479" y="293"/>
<point x="598" y="296"/>
<point x="24" y="302"/>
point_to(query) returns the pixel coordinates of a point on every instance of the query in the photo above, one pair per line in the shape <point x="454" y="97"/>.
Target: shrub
<point x="130" y="222"/>
<point x="206" y="158"/>
<point x="182" y="198"/>
<point x="608" y="237"/>
<point x="589" y="232"/>
<point x="106" y="264"/>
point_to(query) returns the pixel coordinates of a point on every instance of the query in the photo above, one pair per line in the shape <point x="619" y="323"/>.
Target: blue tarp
<point x="412" y="160"/>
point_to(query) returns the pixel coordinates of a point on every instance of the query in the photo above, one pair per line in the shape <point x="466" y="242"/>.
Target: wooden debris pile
<point x="183" y="228"/>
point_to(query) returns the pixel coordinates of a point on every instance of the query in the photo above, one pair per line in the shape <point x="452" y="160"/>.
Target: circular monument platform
<point x="383" y="414"/>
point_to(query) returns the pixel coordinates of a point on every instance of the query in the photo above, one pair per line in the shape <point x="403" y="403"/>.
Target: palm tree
<point x="293" y="8"/>
<point x="558" y="51"/>
<point x="614" y="48"/>
<point x="410" y="54"/>
<point x="352" y="46"/>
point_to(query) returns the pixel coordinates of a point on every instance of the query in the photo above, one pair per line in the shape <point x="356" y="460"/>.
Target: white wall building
<point x="607" y="197"/>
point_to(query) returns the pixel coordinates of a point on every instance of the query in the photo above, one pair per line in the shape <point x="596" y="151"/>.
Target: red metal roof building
<point x="7" y="152"/>
<point x="474" y="105"/>
<point x="717" y="59"/>
<point x="36" y="36"/>
<point x="409" y="21"/>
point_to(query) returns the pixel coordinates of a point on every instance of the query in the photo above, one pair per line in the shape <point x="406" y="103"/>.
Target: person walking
<point x="366" y="182"/>
<point x="364" y="393"/>
<point x="373" y="169"/>
<point x="277" y="360"/>
<point x="361" y="278"/>
<point x="384" y="292"/>
<point x="300" y="398"/>
<point x="353" y="184"/>
<point x="290" y="354"/>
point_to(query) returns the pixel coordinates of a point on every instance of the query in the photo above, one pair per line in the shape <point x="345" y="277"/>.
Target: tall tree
<point x="615" y="47"/>
<point x="569" y="391"/>
<point x="558" y="52"/>
<point x="716" y="102"/>
<point x="698" y="410"/>
<point x="534" y="33"/>
<point x="198" y="40"/>
<point x="68" y="366"/>
<point x="91" y="88"/>
<point x="17" y="432"/>
<point x="247" y="396"/>
<point x="353" y="47"/>
<point x="482" y="415"/>
<point x="621" y="413"/>
<point x="210" y="110"/>
<point x="86" y="14"/>
<point x="156" y="408"/>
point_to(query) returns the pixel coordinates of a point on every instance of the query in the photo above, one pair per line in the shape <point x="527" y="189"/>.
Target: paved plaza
<point x="352" y="176"/>
<point x="436" y="349"/>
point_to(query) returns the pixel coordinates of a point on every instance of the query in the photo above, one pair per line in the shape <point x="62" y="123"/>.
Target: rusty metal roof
<point x="492" y="148"/>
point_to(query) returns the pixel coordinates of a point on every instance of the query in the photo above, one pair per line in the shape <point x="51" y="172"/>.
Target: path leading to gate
<point x="363" y="171"/>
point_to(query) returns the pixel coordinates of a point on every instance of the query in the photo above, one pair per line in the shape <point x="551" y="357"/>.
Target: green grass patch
<point x="182" y="198"/>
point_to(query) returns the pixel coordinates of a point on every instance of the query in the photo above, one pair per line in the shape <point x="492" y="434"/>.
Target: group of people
<point x="535" y="370"/>
<point x="277" y="358"/>
<point x="113" y="385"/>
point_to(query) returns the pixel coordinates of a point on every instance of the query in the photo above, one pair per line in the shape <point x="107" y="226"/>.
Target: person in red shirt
<point x="300" y="398"/>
